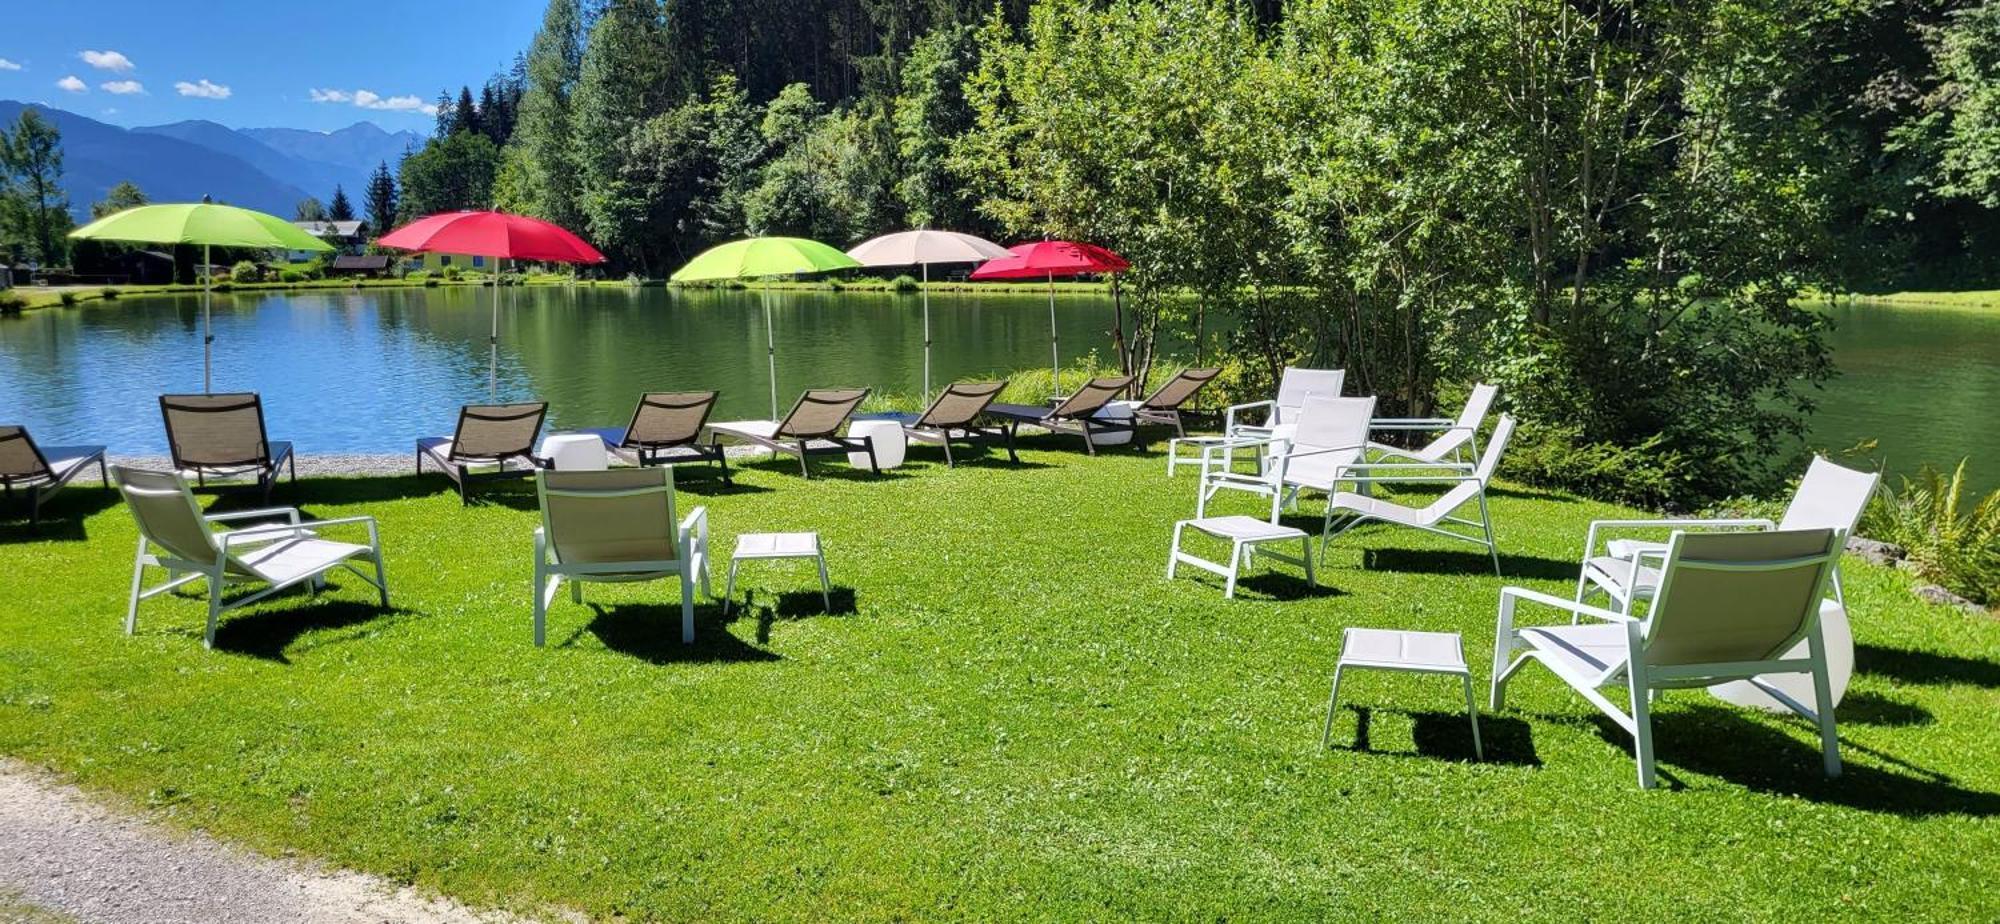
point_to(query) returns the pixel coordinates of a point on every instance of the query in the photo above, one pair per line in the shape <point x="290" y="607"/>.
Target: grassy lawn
<point x="1012" y="715"/>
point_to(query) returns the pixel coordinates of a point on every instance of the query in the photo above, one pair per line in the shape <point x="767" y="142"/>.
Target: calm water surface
<point x="371" y="371"/>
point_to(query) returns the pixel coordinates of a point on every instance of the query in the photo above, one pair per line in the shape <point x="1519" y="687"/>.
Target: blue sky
<point x="246" y="65"/>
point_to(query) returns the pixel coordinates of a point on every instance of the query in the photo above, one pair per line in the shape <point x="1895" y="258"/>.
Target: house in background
<point x="436" y="262"/>
<point x="347" y="237"/>
<point x="370" y="265"/>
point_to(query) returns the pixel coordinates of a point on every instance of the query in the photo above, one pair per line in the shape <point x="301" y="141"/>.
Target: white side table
<point x="887" y="435"/>
<point x="576" y="452"/>
<point x="754" y="546"/>
<point x="1411" y="652"/>
<point x="1243" y="534"/>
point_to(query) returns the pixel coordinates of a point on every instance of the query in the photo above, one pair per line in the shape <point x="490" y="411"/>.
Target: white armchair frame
<point x="691" y="543"/>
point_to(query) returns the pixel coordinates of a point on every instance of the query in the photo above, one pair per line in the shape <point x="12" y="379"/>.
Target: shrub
<point x="1948" y="544"/>
<point x="417" y="275"/>
<point x="68" y="299"/>
<point x="1553" y="456"/>
<point x="453" y="273"/>
<point x="904" y="283"/>
<point x="244" y="271"/>
<point x="107" y="293"/>
<point x="292" y="275"/>
<point x="12" y="302"/>
<point x="430" y="282"/>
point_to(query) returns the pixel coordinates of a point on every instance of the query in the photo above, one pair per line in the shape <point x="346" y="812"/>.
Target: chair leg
<point x="1829" y="738"/>
<point x="729" y="587"/>
<point x="382" y="578"/>
<point x="1503" y="646"/>
<point x="575" y="591"/>
<point x="722" y="459"/>
<point x="1472" y="712"/>
<point x="541" y="591"/>
<point x="825" y="586"/>
<point x="874" y="468"/>
<point x="132" y="602"/>
<point x="1235" y="566"/>
<point x="214" y="608"/>
<point x="804" y="469"/>
<point x="1012" y="456"/>
<point x="1486" y="521"/>
<point x="687" y="608"/>
<point x="948" y="463"/>
<point x="1174" y="552"/>
<point x="1089" y="445"/>
<point x="1306" y="555"/>
<point x="1642" y="731"/>
<point x="1332" y="701"/>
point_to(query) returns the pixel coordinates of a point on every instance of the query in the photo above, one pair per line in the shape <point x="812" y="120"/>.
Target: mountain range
<point x="268" y="169"/>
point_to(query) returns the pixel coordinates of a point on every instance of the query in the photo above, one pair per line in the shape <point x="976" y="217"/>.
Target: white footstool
<point x="576" y="452"/>
<point x="752" y="546"/>
<point x="1243" y="534"/>
<point x="1411" y="652"/>
<point x="887" y="435"/>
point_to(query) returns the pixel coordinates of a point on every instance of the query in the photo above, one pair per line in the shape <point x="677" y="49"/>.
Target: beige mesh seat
<point x="815" y="426"/>
<point x="176" y="536"/>
<point x="41" y="471"/>
<point x="222" y="436"/>
<point x="957" y="414"/>
<point x="1076" y="413"/>
<point x="1347" y="509"/>
<point x="616" y="526"/>
<point x="1163" y="406"/>
<point x="1456" y="437"/>
<point x="666" y="429"/>
<point x="493" y="442"/>
<point x="1730" y="606"/>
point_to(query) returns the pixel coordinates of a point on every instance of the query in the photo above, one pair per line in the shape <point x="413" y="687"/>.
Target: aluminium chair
<point x="1276" y="415"/>
<point x="38" y="471"/>
<point x="957" y="414"/>
<point x="1729" y="606"/>
<point x="1322" y="452"/>
<point x="666" y="429"/>
<point x="493" y="442"/>
<point x="223" y="436"/>
<point x="1456" y="437"/>
<point x="616" y="526"/>
<point x="1076" y="413"/>
<point x="1348" y="510"/>
<point x="816" y="425"/>
<point x="176" y="536"/>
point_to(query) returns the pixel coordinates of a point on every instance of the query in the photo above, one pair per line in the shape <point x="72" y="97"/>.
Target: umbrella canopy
<point x="492" y="234"/>
<point x="923" y="248"/>
<point x="764" y="256"/>
<point x="209" y="225"/>
<point x="498" y="235"/>
<point x="1049" y="259"/>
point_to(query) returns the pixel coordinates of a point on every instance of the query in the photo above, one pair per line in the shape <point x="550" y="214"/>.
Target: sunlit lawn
<point x="1011" y="715"/>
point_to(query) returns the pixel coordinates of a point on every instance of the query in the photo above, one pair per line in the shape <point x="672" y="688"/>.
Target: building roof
<point x="367" y="262"/>
<point x="331" y="228"/>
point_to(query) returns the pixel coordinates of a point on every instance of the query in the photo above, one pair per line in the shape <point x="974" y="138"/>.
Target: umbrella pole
<point x="1055" y="352"/>
<point x="927" y="331"/>
<point x="493" y="344"/>
<point x="207" y="326"/>
<point x="770" y="349"/>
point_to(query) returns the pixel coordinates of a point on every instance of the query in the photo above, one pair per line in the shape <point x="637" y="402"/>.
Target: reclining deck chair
<point x="1455" y="439"/>
<point x="39" y="471"/>
<point x="955" y="415"/>
<point x="1078" y="412"/>
<point x="1323" y="451"/>
<point x="493" y="442"/>
<point x="1164" y="405"/>
<point x="1351" y="510"/>
<point x="222" y="436"/>
<point x="814" y="426"/>
<point x="1281" y="412"/>
<point x="666" y="429"/>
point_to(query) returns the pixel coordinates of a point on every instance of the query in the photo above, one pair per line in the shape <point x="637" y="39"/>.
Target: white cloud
<point x="122" y="87"/>
<point x="6" y="65"/>
<point x="72" y="84"/>
<point x="202" y="89"/>
<point x="369" y="99"/>
<point x="106" y="60"/>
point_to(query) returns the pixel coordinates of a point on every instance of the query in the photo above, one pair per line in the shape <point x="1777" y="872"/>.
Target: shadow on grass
<point x="651" y="632"/>
<point x="1279" y="586"/>
<point x="824" y="468"/>
<point x="62" y="515"/>
<point x="713" y="486"/>
<point x="1925" y="667"/>
<point x="1876" y="709"/>
<point x="985" y="457"/>
<point x="794" y="605"/>
<point x="1448" y="736"/>
<point x="269" y="634"/>
<point x="1724" y="743"/>
<point x="1457" y="561"/>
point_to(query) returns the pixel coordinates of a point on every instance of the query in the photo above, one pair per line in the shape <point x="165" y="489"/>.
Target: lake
<point x="373" y="370"/>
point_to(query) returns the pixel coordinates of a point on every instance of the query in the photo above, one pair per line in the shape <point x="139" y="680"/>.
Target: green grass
<point x="1012" y="716"/>
<point x="1966" y="299"/>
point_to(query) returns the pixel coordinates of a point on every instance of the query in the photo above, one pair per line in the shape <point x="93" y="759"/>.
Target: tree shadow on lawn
<point x="794" y="605"/>
<point x="1457" y="561"/>
<point x="651" y="632"/>
<point x="824" y="468"/>
<point x="1923" y="667"/>
<point x="982" y="457"/>
<point x="1448" y="736"/>
<point x="63" y="515"/>
<point x="1876" y="709"/>
<point x="270" y="634"/>
<point x="1723" y="742"/>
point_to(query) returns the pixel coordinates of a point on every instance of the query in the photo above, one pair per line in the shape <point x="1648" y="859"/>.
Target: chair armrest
<point x="374" y="531"/>
<point x="1417" y="466"/>
<point x="1414" y="423"/>
<point x="1321" y="451"/>
<point x="1599" y="526"/>
<point x="1568" y="606"/>
<point x="694" y="532"/>
<point x="1229" y="413"/>
<point x="290" y="514"/>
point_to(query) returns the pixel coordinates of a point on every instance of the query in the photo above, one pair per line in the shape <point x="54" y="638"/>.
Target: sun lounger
<point x="1455" y="436"/>
<point x="42" y="471"/>
<point x="493" y="442"/>
<point x="223" y="436"/>
<point x="814" y="426"/>
<point x="666" y="429"/>
<point x="1164" y="405"/>
<point x="1076" y="413"/>
<point x="957" y="415"/>
<point x="1348" y="510"/>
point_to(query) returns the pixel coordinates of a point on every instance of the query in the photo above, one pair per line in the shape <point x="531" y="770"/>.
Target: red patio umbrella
<point x="498" y="235"/>
<point x="1050" y="259"/>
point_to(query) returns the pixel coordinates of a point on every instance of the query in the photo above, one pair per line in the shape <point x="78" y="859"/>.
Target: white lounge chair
<point x="1355" y="509"/>
<point x="175" y="535"/>
<point x="1830" y="497"/>
<point x="1328" y="438"/>
<point x="615" y="527"/>
<point x="1456" y="437"/>
<point x="1729" y="607"/>
<point x="1280" y="413"/>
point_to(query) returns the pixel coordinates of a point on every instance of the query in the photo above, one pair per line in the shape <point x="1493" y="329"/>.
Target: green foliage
<point x="930" y="113"/>
<point x="382" y="200"/>
<point x="310" y="209"/>
<point x="339" y="209"/>
<point x="34" y="210"/>
<point x="905" y="283"/>
<point x="1949" y="543"/>
<point x="450" y="174"/>
<point x="125" y="195"/>
<point x="245" y="271"/>
<point x="12" y="302"/>
<point x="1649" y="475"/>
<point x="107" y="293"/>
<point x="68" y="299"/>
<point x="452" y="273"/>
<point x="292" y="275"/>
<point x="540" y="163"/>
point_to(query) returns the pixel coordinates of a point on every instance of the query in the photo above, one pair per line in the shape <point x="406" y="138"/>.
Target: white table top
<point x="1396" y="649"/>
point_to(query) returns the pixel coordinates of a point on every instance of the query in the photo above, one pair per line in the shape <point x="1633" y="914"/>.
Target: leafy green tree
<point x="447" y="175"/>
<point x="541" y="157"/>
<point x="125" y="195"/>
<point x="310" y="209"/>
<point x="34" y="208"/>
<point x="381" y="199"/>
<point x="930" y="112"/>
<point x="339" y="209"/>
<point x="622" y="84"/>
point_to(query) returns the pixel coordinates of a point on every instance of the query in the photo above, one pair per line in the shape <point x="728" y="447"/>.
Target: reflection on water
<point x="355" y="371"/>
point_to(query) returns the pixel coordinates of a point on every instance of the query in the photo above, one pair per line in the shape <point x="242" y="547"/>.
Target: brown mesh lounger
<point x="222" y="436"/>
<point x="665" y="429"/>
<point x="489" y="438"/>
<point x="955" y="415"/>
<point x="1076" y="411"/>
<point x="1163" y="406"/>
<point x="812" y="427"/>
<point x="42" y="472"/>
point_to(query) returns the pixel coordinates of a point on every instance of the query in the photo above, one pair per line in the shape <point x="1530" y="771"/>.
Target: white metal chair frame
<point x="691" y="542"/>
<point x="225" y="569"/>
<point x="1644" y="680"/>
<point x="1243" y="553"/>
<point x="1372" y="473"/>
<point x="1346" y="660"/>
<point x="1454" y="434"/>
<point x="1276" y="409"/>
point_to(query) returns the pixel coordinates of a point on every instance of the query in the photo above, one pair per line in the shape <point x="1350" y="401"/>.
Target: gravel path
<point x="65" y="857"/>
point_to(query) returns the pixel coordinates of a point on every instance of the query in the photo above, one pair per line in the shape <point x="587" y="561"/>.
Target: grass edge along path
<point x="1011" y="715"/>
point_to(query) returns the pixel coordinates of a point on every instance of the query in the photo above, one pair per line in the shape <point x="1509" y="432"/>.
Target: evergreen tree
<point x="621" y="86"/>
<point x="381" y="199"/>
<point x="310" y="209"/>
<point x="339" y="209"/>
<point x="447" y="115"/>
<point x="465" y="118"/>
<point x="540" y="152"/>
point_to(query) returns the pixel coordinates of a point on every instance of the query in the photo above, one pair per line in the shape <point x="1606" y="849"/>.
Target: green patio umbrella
<point x="209" y="225"/>
<point x="764" y="257"/>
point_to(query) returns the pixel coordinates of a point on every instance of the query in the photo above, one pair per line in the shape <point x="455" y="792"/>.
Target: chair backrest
<point x="1298" y="383"/>
<point x="489" y="432"/>
<point x="1830" y="497"/>
<point x="609" y="517"/>
<point x="1332" y="432"/>
<point x="669" y="418"/>
<point x="1489" y="461"/>
<point x="1093" y="396"/>
<point x="1477" y="406"/>
<point x="1180" y="388"/>
<point x="20" y="458"/>
<point x="215" y="431"/>
<point x="166" y="513"/>
<point x="821" y="412"/>
<point x="960" y="404"/>
<point x="1738" y="597"/>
